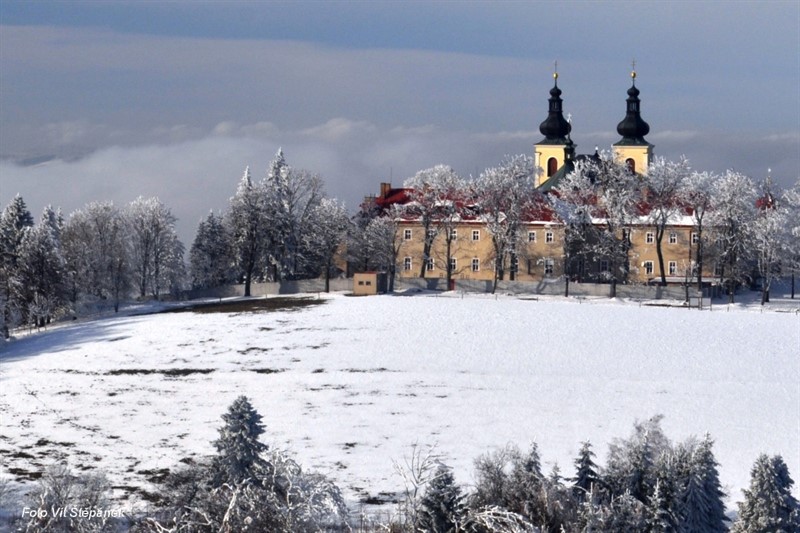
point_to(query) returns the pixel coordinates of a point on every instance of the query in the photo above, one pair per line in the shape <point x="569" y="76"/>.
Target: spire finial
<point x="633" y="70"/>
<point x="555" y="70"/>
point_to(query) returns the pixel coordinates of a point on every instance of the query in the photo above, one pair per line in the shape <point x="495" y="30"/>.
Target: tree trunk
<point x="247" y="278"/>
<point x="327" y="278"/>
<point x="566" y="285"/>
<point x="699" y="260"/>
<point x="660" y="253"/>
<point x="792" y="284"/>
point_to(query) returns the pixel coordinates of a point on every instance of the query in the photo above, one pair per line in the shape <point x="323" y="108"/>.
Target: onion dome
<point x="555" y="128"/>
<point x="633" y="128"/>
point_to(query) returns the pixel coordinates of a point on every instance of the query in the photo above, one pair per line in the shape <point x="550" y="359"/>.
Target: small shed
<point x="368" y="283"/>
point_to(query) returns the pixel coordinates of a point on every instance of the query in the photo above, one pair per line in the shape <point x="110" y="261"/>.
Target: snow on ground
<point x="352" y="384"/>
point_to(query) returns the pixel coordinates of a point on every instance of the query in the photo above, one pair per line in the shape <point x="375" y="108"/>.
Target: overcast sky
<point x="175" y="99"/>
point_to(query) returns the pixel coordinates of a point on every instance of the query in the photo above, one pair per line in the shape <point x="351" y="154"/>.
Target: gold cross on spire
<point x="555" y="69"/>
<point x="633" y="69"/>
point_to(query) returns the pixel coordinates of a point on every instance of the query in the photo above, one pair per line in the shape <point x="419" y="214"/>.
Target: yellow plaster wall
<point x="641" y="155"/>
<point x="542" y="153"/>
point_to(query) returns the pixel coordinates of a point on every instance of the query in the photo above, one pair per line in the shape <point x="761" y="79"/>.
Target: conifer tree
<point x="768" y="505"/>
<point x="701" y="502"/>
<point x="15" y="221"/>
<point x="239" y="456"/>
<point x="442" y="506"/>
<point x="586" y="478"/>
<point x="210" y="257"/>
<point x="247" y="225"/>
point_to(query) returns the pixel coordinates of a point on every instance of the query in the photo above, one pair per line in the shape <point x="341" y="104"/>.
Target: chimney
<point x="385" y="188"/>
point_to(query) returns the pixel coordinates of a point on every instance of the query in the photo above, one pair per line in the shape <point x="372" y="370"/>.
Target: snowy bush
<point x="59" y="494"/>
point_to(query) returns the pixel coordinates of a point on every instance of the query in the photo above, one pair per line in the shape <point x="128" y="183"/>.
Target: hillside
<point x="351" y="384"/>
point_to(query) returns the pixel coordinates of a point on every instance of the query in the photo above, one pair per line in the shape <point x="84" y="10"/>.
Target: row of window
<point x="650" y="238"/>
<point x="672" y="268"/>
<point x="549" y="265"/>
<point x="549" y="236"/>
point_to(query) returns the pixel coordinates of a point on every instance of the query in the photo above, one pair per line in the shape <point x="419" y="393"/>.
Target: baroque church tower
<point x="549" y="152"/>
<point x="555" y="154"/>
<point x="633" y="149"/>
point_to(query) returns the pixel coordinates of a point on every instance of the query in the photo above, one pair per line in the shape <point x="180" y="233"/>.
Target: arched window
<point x="552" y="166"/>
<point x="631" y="164"/>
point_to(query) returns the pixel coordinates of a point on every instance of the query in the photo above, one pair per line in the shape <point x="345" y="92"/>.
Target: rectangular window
<point x="476" y="264"/>
<point x="369" y="283"/>
<point x="649" y="238"/>
<point x="360" y="282"/>
<point x="476" y="235"/>
<point x="453" y="234"/>
<point x="718" y="269"/>
<point x="673" y="268"/>
<point x="531" y="236"/>
<point x="406" y="263"/>
<point x="626" y="235"/>
<point x="407" y="234"/>
<point x="695" y="238"/>
<point x="673" y="238"/>
<point x="548" y="237"/>
<point x="430" y="264"/>
<point x="548" y="266"/>
<point x="648" y="267"/>
<point x="452" y="264"/>
<point x="604" y="265"/>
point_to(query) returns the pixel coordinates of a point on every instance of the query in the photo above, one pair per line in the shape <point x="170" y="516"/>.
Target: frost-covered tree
<point x="769" y="237"/>
<point x="609" y="193"/>
<point x="41" y="270"/>
<point x="290" y="197"/>
<point x="442" y="506"/>
<point x="732" y="219"/>
<point x="663" y="184"/>
<point x="504" y="193"/>
<point x="247" y="487"/>
<point x="383" y="241"/>
<point x="154" y="244"/>
<point x="211" y="257"/>
<point x="573" y="202"/>
<point x="435" y="202"/>
<point x="325" y="235"/>
<point x="700" y="503"/>
<point x="632" y="462"/>
<point x="627" y="514"/>
<point x="697" y="194"/>
<point x="791" y="201"/>
<point x="618" y="193"/>
<point x="586" y="480"/>
<point x="239" y="456"/>
<point x="659" y="510"/>
<point x="60" y="488"/>
<point x="97" y="251"/>
<point x="15" y="221"/>
<point x="247" y="226"/>
<point x="768" y="506"/>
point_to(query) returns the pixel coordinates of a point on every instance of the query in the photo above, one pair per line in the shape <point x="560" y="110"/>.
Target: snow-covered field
<point x="352" y="384"/>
